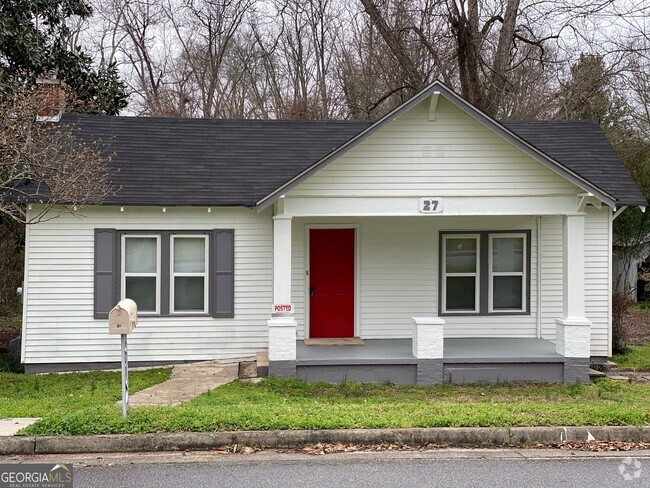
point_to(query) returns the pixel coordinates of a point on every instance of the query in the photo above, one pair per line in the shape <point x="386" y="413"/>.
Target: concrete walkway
<point x="11" y="426"/>
<point x="186" y="382"/>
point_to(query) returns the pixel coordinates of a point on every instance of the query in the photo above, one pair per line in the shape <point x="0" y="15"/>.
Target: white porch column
<point x="281" y="259"/>
<point x="428" y="337"/>
<point x="428" y="348"/>
<point x="573" y="330"/>
<point x="282" y="327"/>
<point x="574" y="267"/>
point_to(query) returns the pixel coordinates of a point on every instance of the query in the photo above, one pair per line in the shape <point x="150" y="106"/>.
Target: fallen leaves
<point x="320" y="449"/>
<point x="598" y="446"/>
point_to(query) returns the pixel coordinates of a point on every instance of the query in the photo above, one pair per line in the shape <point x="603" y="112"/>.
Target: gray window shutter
<point x="223" y="273"/>
<point x="105" y="275"/>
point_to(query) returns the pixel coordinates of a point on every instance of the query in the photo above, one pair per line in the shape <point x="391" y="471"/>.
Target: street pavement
<point x="497" y="468"/>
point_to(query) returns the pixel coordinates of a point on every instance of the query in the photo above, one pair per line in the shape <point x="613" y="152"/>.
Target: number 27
<point x="430" y="205"/>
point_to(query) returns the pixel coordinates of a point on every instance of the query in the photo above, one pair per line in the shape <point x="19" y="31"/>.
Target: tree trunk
<point x="416" y="79"/>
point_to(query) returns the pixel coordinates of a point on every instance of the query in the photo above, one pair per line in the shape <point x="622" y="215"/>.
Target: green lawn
<point x="47" y="395"/>
<point x="293" y="404"/>
<point x="638" y="358"/>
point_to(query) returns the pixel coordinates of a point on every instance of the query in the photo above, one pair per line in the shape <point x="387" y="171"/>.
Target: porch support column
<point x="573" y="330"/>
<point x="428" y="348"/>
<point x="282" y="326"/>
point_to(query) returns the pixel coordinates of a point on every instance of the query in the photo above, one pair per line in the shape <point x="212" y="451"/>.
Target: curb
<point x="287" y="439"/>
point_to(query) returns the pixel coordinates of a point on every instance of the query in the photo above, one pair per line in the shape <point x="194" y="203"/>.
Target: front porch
<point x="465" y="360"/>
<point x="439" y="299"/>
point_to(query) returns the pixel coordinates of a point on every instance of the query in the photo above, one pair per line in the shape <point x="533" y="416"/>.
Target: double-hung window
<point x="485" y="273"/>
<point x="166" y="272"/>
<point x="507" y="273"/>
<point x="141" y="271"/>
<point x="189" y="284"/>
<point x="460" y="280"/>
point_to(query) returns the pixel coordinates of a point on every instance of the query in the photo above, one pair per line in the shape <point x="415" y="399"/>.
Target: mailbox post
<point x="122" y="319"/>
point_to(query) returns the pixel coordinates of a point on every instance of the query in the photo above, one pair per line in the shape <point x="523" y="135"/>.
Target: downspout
<point x="539" y="276"/>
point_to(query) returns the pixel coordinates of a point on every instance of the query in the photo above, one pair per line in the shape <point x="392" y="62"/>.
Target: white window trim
<point x="204" y="275"/>
<point x="157" y="274"/>
<point x="522" y="274"/>
<point x="476" y="274"/>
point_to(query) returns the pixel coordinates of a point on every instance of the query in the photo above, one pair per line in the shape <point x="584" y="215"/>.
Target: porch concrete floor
<point x="399" y="351"/>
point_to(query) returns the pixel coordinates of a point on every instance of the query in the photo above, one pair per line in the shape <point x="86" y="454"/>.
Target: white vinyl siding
<point x="598" y="272"/>
<point x="552" y="277"/>
<point x="452" y="156"/>
<point x="59" y="324"/>
<point x="597" y="276"/>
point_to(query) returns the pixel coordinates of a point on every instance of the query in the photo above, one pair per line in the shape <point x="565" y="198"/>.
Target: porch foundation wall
<point x="432" y="372"/>
<point x="429" y="372"/>
<point x="282" y="369"/>
<point x="397" y="374"/>
<point x="576" y="370"/>
<point x="459" y="373"/>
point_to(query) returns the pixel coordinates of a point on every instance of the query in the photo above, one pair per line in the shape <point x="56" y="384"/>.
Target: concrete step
<point x="262" y="364"/>
<point x="594" y="373"/>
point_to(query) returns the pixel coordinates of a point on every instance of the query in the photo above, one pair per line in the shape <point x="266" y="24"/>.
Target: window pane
<point x="507" y="293"/>
<point x="189" y="255"/>
<point x="461" y="293"/>
<point x="461" y="256"/>
<point x="140" y="254"/>
<point x="142" y="290"/>
<point x="188" y="294"/>
<point x="507" y="254"/>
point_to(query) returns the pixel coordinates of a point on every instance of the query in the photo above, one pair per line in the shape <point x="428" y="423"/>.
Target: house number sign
<point x="430" y="205"/>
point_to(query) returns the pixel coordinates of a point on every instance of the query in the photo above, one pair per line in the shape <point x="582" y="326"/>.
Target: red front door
<point x="331" y="283"/>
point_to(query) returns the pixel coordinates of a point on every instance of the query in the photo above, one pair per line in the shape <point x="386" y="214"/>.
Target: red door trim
<point x="356" y="250"/>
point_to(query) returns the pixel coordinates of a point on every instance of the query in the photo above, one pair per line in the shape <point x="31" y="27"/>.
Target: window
<point x="507" y="273"/>
<point x="141" y="271"/>
<point x="460" y="273"/>
<point x="189" y="286"/>
<point x="484" y="273"/>
<point x="166" y="272"/>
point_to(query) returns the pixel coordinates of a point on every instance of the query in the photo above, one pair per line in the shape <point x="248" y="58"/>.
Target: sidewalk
<point x="186" y="382"/>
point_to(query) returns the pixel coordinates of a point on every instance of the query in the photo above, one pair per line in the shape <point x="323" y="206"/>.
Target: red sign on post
<point x="282" y="308"/>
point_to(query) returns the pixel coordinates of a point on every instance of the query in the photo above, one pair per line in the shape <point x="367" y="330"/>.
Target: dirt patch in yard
<point x="637" y="325"/>
<point x="8" y="330"/>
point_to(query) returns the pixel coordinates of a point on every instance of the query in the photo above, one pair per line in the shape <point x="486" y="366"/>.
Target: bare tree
<point x="44" y="162"/>
<point x="335" y="59"/>
<point x="490" y="39"/>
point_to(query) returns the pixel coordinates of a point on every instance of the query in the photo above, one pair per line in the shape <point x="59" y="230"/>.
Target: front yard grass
<point x="293" y="404"/>
<point x="636" y="359"/>
<point x="48" y="395"/>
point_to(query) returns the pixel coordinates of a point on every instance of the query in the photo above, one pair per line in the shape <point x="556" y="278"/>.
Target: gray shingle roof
<point x="200" y="162"/>
<point x="165" y="161"/>
<point x="581" y="145"/>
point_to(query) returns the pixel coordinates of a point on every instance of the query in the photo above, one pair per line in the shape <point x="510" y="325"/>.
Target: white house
<point x="447" y="245"/>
